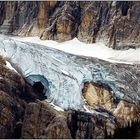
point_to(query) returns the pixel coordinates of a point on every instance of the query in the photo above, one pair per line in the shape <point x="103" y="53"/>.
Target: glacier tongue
<point x="63" y="74"/>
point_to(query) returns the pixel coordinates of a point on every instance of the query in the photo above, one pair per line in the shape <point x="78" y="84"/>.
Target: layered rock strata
<point x="114" y="23"/>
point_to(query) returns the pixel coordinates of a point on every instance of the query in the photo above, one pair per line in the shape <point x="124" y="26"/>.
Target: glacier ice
<point x="62" y="74"/>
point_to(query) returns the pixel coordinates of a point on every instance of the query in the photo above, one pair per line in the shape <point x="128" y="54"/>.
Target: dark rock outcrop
<point x="11" y="116"/>
<point x="42" y="121"/>
<point x="63" y="24"/>
<point x="11" y="106"/>
<point x="114" y="23"/>
<point x="15" y="93"/>
<point x="87" y="125"/>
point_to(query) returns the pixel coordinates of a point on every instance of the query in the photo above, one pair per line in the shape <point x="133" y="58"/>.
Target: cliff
<point x="114" y="23"/>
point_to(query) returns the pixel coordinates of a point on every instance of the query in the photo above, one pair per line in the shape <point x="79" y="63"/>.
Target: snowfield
<point x="98" y="50"/>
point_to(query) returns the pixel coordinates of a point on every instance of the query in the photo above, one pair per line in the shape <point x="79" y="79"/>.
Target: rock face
<point x="63" y="23"/>
<point x="42" y="121"/>
<point x="11" y="116"/>
<point x="15" y="93"/>
<point x="11" y="107"/>
<point x="98" y="96"/>
<point x="126" y="113"/>
<point x="88" y="125"/>
<point x="114" y="23"/>
<point x="2" y="61"/>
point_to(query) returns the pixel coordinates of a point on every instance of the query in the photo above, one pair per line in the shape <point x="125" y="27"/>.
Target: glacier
<point x="63" y="74"/>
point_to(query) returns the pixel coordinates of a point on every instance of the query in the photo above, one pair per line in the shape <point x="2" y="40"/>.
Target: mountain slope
<point x="114" y="23"/>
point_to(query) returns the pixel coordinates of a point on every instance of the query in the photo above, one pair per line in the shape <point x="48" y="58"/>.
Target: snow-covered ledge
<point x="98" y="50"/>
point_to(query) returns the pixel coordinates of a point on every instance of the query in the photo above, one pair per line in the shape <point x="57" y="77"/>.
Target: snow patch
<point x="10" y="66"/>
<point x="1" y="78"/>
<point x="56" y="107"/>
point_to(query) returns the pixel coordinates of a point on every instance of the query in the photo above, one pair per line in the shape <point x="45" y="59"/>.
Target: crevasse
<point x="61" y="74"/>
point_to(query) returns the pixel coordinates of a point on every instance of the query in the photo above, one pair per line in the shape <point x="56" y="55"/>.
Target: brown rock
<point x="11" y="111"/>
<point x="63" y="24"/>
<point x="42" y="121"/>
<point x="97" y="96"/>
<point x="2" y="61"/>
<point x="11" y="106"/>
<point x="126" y="113"/>
<point x="85" y="125"/>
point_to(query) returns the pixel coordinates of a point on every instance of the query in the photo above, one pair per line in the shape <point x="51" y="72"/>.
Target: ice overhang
<point x="32" y="79"/>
